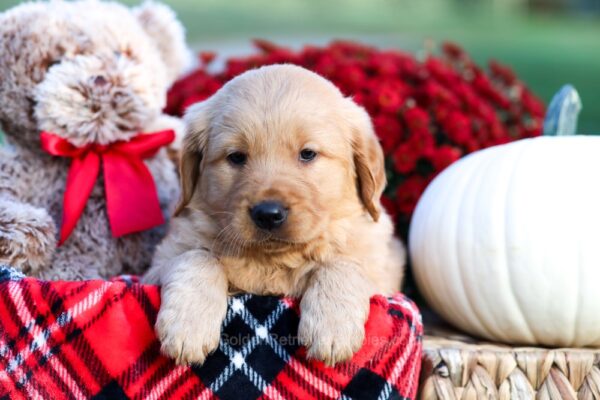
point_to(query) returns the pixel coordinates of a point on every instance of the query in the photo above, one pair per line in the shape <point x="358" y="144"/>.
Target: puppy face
<point x="276" y="156"/>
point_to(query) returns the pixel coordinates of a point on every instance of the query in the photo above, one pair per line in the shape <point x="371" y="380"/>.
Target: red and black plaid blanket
<point x="95" y="339"/>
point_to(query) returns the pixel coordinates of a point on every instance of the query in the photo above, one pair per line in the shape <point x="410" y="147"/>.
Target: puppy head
<point x="278" y="154"/>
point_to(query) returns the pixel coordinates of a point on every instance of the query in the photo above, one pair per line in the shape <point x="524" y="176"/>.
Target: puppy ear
<point x="161" y="24"/>
<point x="194" y="145"/>
<point x="368" y="159"/>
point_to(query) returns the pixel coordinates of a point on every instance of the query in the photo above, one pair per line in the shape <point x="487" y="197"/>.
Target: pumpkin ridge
<point x="446" y="283"/>
<point x="472" y="300"/>
<point x="515" y="164"/>
<point x="482" y="172"/>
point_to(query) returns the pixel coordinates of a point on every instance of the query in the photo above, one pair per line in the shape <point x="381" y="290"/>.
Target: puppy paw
<point x="186" y="335"/>
<point x="194" y="303"/>
<point x="332" y="336"/>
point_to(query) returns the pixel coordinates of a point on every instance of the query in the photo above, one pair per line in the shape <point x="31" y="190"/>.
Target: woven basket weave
<point x="458" y="367"/>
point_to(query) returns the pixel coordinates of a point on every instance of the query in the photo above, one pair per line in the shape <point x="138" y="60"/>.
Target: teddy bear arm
<point x="27" y="236"/>
<point x="27" y="232"/>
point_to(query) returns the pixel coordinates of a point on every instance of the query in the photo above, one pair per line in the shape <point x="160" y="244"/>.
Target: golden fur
<point x="336" y="248"/>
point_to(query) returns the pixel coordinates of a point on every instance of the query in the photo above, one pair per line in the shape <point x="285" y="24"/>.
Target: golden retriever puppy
<point x="281" y="179"/>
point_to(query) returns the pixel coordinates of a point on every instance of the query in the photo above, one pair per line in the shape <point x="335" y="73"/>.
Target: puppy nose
<point x="268" y="214"/>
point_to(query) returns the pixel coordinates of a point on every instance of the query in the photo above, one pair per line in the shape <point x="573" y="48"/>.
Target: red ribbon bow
<point x="131" y="199"/>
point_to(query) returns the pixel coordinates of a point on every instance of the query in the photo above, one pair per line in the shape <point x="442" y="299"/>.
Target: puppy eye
<point x="237" y="158"/>
<point x="307" y="155"/>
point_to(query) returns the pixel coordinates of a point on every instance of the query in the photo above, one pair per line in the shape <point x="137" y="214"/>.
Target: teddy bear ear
<point x="161" y="24"/>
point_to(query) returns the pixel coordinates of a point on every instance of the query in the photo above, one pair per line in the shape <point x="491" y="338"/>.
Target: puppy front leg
<point x="334" y="309"/>
<point x="194" y="303"/>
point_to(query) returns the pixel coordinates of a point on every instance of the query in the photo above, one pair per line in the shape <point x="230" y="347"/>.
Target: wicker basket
<point x="459" y="367"/>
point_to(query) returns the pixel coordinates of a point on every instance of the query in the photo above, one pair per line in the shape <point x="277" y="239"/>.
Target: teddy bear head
<point x="88" y="71"/>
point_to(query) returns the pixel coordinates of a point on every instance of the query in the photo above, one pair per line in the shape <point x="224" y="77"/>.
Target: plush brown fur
<point x="90" y="72"/>
<point x="336" y="248"/>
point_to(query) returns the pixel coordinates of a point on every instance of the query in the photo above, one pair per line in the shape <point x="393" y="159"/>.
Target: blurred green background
<point x="548" y="42"/>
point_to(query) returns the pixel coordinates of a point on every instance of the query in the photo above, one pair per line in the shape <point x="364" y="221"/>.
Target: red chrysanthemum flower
<point x="417" y="119"/>
<point x="390" y="95"/>
<point x="389" y="130"/>
<point x="409" y="192"/>
<point x="443" y="156"/>
<point x="458" y="127"/>
<point x="405" y="158"/>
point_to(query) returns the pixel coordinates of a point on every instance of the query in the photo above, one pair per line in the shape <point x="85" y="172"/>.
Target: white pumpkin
<point x="505" y="243"/>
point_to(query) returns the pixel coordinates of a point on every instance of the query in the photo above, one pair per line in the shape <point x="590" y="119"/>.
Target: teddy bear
<point x="86" y="182"/>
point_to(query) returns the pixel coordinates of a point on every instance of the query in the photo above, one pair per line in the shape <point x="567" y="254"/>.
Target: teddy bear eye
<point x="237" y="158"/>
<point x="307" y="155"/>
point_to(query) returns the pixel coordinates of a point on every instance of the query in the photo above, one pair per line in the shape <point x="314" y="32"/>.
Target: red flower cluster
<point x="427" y="113"/>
